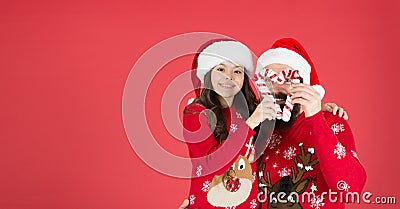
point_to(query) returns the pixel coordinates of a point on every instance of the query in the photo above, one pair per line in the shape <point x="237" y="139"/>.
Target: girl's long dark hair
<point x="210" y="100"/>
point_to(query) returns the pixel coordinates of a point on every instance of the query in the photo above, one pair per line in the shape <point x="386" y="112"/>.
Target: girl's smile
<point x="227" y="80"/>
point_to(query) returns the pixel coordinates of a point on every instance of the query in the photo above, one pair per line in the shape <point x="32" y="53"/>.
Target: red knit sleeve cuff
<point x="318" y="116"/>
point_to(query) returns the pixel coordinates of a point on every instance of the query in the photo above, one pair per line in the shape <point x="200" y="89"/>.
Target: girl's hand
<point x="264" y="110"/>
<point x="185" y="204"/>
<point x="334" y="108"/>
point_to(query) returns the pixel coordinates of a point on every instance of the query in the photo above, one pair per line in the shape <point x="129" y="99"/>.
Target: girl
<point x="222" y="120"/>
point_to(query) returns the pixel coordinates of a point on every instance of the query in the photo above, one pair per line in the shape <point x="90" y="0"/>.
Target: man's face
<point x="280" y="88"/>
<point x="281" y="92"/>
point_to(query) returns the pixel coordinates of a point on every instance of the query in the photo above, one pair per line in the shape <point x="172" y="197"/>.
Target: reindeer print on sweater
<point x="235" y="185"/>
<point x="290" y="186"/>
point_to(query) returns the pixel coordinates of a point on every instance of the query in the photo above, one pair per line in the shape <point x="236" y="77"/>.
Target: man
<point x="310" y="151"/>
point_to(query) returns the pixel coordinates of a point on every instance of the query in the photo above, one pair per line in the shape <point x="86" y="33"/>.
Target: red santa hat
<point x="290" y="52"/>
<point x="216" y="52"/>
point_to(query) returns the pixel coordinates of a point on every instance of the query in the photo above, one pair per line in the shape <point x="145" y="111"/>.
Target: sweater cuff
<point x="318" y="127"/>
<point x="317" y="124"/>
<point x="317" y="116"/>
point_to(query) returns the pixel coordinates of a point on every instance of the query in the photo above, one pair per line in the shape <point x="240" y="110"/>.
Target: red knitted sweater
<point x="315" y="155"/>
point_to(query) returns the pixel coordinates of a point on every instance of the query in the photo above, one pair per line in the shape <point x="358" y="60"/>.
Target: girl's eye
<point x="238" y="72"/>
<point x="220" y="69"/>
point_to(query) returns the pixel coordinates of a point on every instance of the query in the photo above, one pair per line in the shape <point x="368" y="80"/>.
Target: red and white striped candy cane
<point x="292" y="75"/>
<point x="261" y="84"/>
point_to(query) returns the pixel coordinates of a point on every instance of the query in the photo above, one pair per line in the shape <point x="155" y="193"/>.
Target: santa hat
<point x="290" y="52"/>
<point x="216" y="52"/>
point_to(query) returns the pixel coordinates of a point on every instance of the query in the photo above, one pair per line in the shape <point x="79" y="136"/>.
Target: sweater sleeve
<point x="336" y="152"/>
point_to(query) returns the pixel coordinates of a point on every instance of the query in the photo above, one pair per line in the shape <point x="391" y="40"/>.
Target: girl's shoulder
<point x="193" y="109"/>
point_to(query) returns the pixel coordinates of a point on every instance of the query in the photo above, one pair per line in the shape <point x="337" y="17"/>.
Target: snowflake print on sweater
<point x="340" y="151"/>
<point x="206" y="186"/>
<point x="337" y="128"/>
<point x="317" y="202"/>
<point x="275" y="165"/>
<point x="234" y="128"/>
<point x="253" y="204"/>
<point x="284" y="172"/>
<point x="289" y="153"/>
<point x="274" y="141"/>
<point x="191" y="199"/>
<point x="198" y="170"/>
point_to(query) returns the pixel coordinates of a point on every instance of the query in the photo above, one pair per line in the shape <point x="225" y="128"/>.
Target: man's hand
<point x="185" y="204"/>
<point x="334" y="108"/>
<point x="307" y="97"/>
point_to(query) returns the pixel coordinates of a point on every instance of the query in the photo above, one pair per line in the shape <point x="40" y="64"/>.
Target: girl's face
<point x="227" y="79"/>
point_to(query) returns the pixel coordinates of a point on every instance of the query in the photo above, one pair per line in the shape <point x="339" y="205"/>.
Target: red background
<point x="64" y="65"/>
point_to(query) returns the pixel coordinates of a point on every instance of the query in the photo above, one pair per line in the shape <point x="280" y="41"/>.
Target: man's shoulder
<point x="332" y="119"/>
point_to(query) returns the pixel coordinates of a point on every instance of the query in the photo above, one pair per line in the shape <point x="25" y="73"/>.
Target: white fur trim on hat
<point x="219" y="52"/>
<point x="319" y="89"/>
<point x="287" y="57"/>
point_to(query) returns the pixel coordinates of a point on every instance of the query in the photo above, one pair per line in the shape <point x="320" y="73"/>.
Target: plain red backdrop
<point x="64" y="65"/>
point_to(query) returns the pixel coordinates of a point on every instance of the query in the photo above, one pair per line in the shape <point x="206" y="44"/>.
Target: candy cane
<point x="294" y="77"/>
<point x="287" y="110"/>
